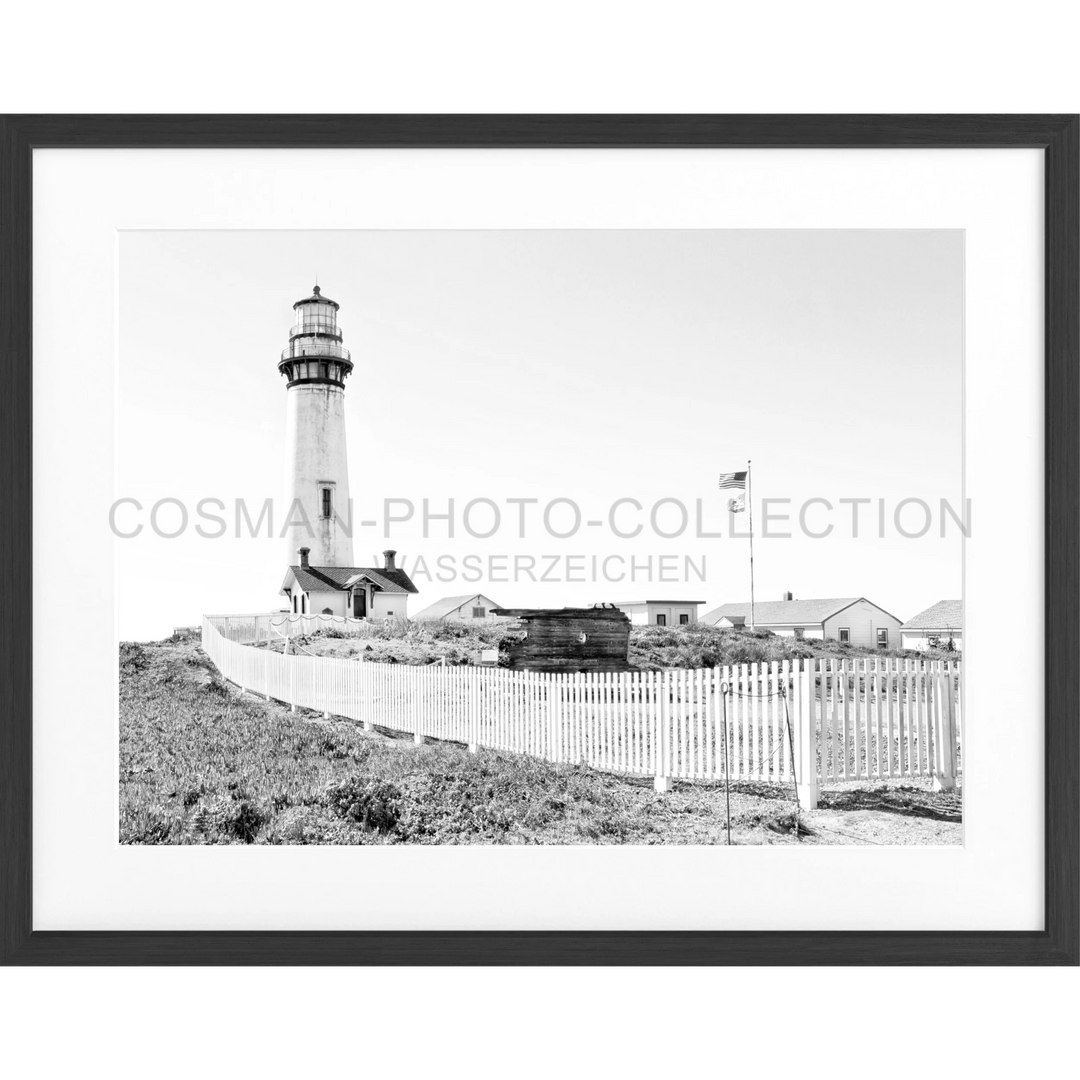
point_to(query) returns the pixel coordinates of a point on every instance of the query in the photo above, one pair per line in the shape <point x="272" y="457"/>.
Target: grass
<point x="199" y="764"/>
<point x="699" y="645"/>
<point x="405" y="641"/>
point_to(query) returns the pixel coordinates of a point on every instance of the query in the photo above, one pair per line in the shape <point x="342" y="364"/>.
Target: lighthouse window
<point x="322" y="371"/>
<point x="326" y="503"/>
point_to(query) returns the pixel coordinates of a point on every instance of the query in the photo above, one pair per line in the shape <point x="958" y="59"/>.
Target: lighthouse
<point x="318" y="513"/>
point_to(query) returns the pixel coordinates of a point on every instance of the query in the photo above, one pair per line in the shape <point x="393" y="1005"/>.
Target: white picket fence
<point x="862" y="718"/>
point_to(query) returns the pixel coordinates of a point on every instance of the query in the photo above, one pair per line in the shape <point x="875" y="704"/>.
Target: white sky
<point x="590" y="365"/>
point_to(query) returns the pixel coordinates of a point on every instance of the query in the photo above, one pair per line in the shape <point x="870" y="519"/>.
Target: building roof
<point x="393" y="581"/>
<point x="448" y="604"/>
<point x="786" y="612"/>
<point x="317" y="298"/>
<point x="944" y="615"/>
<point x="331" y="578"/>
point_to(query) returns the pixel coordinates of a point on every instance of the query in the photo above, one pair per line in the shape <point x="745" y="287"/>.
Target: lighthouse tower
<point x="317" y="510"/>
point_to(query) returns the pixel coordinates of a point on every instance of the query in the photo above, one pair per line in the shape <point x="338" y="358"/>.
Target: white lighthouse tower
<point x="318" y="513"/>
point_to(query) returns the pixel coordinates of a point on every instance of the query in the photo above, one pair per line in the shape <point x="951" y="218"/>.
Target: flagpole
<point x="750" y="507"/>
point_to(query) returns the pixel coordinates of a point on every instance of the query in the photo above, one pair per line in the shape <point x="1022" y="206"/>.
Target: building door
<point x="359" y="603"/>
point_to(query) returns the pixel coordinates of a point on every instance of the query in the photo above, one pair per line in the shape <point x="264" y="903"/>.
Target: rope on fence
<point x="794" y="773"/>
<point x="726" y="690"/>
<point x="294" y="616"/>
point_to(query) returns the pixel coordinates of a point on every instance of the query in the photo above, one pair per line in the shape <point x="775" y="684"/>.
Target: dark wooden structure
<point x="569" y="639"/>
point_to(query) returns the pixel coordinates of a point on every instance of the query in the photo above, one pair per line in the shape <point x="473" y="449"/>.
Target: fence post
<point x="944" y="729"/>
<point x="474" y="710"/>
<point x="805" y="727"/>
<point x="418" y="714"/>
<point x="662" y="780"/>
<point x="325" y="679"/>
<point x="365" y="695"/>
<point x="960" y="709"/>
<point x="554" y="692"/>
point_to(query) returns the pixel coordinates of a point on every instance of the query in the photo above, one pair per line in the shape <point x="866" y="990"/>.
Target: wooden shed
<point x="569" y="639"/>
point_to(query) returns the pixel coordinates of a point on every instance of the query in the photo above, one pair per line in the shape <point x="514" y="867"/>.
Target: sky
<point x="589" y="366"/>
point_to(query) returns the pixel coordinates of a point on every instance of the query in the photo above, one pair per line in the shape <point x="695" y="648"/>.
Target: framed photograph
<point x="540" y="539"/>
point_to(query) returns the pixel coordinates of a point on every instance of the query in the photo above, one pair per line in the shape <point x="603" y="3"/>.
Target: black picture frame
<point x="1055" y="135"/>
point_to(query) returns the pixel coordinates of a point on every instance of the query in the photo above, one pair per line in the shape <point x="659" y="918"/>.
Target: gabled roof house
<point x="470" y="607"/>
<point x="851" y="619"/>
<point x="357" y="591"/>
<point x="939" y="623"/>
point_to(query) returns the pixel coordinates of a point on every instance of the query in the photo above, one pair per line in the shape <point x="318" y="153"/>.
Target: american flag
<point x="733" y="480"/>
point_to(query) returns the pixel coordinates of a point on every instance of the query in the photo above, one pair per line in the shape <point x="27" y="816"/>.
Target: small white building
<point x="471" y="608"/>
<point x="660" y="612"/>
<point x="937" y="625"/>
<point x="851" y="619"/>
<point x="360" y="592"/>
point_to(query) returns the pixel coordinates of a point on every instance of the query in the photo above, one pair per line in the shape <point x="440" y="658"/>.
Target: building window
<point x="800" y="632"/>
<point x="684" y="620"/>
<point x="478" y="613"/>
<point x="322" y="371"/>
<point x="327" y="502"/>
<point x="883" y="638"/>
<point x="661" y="620"/>
<point x="845" y="635"/>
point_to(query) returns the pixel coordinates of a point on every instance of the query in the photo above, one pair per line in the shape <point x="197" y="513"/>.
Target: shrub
<point x="374" y="804"/>
<point x="244" y="821"/>
<point x="942" y="644"/>
<point x="133" y="658"/>
<point x="145" y="826"/>
<point x="226" y="819"/>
